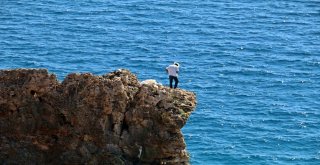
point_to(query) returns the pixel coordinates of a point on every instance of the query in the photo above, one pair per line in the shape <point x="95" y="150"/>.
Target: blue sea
<point x="254" y="65"/>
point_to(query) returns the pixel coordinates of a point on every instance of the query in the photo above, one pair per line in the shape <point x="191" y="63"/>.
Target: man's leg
<point x="170" y="79"/>
<point x="176" y="81"/>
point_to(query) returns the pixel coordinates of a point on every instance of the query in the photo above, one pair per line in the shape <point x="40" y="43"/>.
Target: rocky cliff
<point x="87" y="119"/>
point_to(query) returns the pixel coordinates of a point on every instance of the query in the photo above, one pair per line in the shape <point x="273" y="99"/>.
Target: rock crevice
<point x="87" y="119"/>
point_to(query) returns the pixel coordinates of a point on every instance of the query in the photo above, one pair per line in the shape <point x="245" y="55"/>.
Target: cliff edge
<point x="87" y="119"/>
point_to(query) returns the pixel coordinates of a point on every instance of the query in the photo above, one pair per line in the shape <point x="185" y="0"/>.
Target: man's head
<point x="177" y="64"/>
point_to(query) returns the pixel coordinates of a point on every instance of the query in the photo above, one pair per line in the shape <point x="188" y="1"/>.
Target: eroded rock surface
<point x="87" y="119"/>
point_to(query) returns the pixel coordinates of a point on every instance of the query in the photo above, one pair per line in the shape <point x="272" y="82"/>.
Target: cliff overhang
<point x="88" y="119"/>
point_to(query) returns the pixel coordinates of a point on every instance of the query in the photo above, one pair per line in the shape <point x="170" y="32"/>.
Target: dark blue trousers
<point x="176" y="81"/>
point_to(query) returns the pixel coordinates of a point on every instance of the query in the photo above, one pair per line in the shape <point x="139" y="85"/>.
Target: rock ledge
<point x="87" y="119"/>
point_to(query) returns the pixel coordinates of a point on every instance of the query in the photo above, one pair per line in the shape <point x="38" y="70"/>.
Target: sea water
<point x="254" y="65"/>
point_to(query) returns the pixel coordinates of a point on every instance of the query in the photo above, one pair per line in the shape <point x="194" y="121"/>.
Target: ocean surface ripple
<point x="254" y="65"/>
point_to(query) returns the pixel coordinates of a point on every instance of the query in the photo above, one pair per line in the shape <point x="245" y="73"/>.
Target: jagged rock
<point x="87" y="119"/>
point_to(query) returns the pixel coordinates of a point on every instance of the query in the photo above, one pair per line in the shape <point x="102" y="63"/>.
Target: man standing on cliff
<point x="173" y="70"/>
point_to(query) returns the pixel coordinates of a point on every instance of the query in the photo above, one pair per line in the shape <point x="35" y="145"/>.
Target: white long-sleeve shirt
<point x="173" y="70"/>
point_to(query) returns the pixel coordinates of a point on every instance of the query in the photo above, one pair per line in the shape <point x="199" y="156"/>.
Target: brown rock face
<point x="86" y="119"/>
